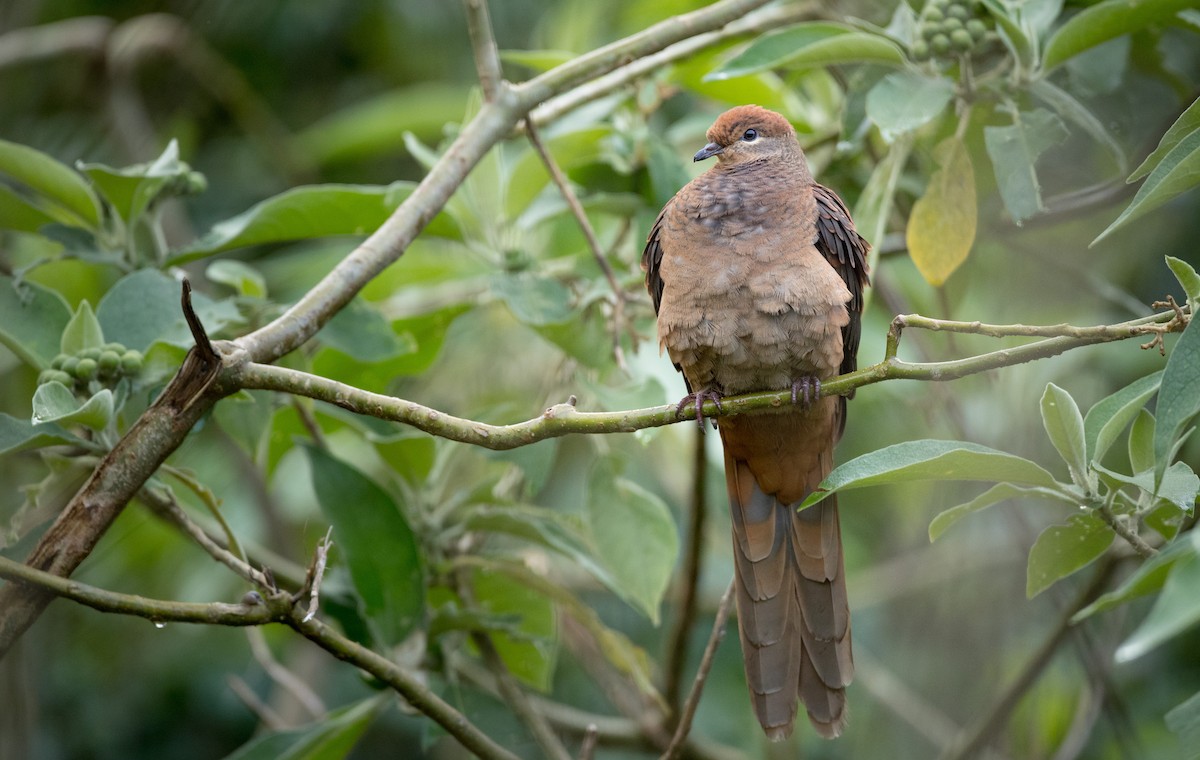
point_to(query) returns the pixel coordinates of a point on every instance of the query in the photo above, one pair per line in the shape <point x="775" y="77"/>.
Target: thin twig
<point x="591" y="736"/>
<point x="483" y="45"/>
<point x="1122" y="529"/>
<point x="589" y="234"/>
<point x="316" y="573"/>
<point x="270" y="719"/>
<point x="706" y="662"/>
<point x="675" y="655"/>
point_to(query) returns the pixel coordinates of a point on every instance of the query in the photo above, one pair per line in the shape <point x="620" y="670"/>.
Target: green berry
<point x="960" y="40"/>
<point x="58" y="376"/>
<point x="920" y="50"/>
<point x="70" y="365"/>
<point x="951" y="25"/>
<point x="131" y="362"/>
<point x="86" y="369"/>
<point x="59" y="361"/>
<point x="933" y="14"/>
<point x="940" y="44"/>
<point x="89" y="353"/>
<point x="929" y="31"/>
<point x="977" y="29"/>
<point x="117" y="347"/>
<point x="46" y="376"/>
<point x="958" y="11"/>
<point x="109" y="362"/>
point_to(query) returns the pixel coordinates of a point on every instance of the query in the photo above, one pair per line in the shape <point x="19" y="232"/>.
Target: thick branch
<point x="564" y="419"/>
<point x="483" y="44"/>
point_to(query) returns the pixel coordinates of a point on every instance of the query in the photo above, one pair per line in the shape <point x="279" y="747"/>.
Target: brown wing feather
<point x="846" y="252"/>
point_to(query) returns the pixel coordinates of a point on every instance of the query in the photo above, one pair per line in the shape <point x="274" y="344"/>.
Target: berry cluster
<point x="950" y="27"/>
<point x="107" y="364"/>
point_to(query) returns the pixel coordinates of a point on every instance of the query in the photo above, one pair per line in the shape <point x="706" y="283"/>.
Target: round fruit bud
<point x="119" y="348"/>
<point x="109" y="362"/>
<point x="59" y="361"/>
<point x="86" y="369"/>
<point x="62" y="377"/>
<point x="977" y="29"/>
<point x="70" y="364"/>
<point x="920" y="50"/>
<point x="929" y="31"/>
<point x="960" y="40"/>
<point x="46" y="376"/>
<point x="131" y="362"/>
<point x="958" y="11"/>
<point x="951" y="24"/>
<point x="89" y="353"/>
<point x="940" y="44"/>
<point x="933" y="14"/>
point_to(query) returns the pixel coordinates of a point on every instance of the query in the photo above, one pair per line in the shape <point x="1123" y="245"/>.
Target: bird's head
<point x="748" y="133"/>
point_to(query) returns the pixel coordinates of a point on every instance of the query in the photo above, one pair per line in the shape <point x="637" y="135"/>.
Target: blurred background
<point x="510" y="314"/>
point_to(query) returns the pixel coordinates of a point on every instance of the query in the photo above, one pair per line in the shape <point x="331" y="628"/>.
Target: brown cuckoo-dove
<point x="757" y="275"/>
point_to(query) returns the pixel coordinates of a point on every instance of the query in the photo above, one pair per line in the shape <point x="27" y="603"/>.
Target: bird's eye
<point x="750" y="135"/>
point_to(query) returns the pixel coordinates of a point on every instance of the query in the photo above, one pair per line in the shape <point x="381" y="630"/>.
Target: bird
<point x="757" y="274"/>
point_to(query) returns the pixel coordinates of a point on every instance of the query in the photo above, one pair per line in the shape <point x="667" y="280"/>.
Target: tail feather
<point x="793" y="614"/>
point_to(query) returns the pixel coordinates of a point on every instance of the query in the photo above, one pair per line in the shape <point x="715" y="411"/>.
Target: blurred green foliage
<point x="984" y="147"/>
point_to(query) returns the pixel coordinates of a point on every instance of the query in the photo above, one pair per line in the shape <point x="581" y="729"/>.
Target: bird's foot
<point x="806" y="391"/>
<point x="698" y="398"/>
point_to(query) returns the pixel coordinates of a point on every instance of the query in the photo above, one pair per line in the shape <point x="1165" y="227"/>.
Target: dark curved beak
<point x="708" y="151"/>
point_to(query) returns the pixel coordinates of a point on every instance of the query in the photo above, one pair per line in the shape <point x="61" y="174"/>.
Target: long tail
<point x="793" y="615"/>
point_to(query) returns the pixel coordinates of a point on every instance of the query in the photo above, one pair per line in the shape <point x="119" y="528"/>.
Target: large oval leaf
<point x="811" y="44"/>
<point x="1065" y="549"/>
<point x="941" y="228"/>
<point x="1104" y="21"/>
<point x="32" y="320"/>
<point x="1064" y="425"/>
<point x="905" y="100"/>
<point x="1187" y="123"/>
<point x="1109" y="416"/>
<point x="52" y="180"/>
<point x="380" y="547"/>
<point x="1179" y="396"/>
<point x="1014" y="151"/>
<point x="931" y="460"/>
<point x="1176" y="173"/>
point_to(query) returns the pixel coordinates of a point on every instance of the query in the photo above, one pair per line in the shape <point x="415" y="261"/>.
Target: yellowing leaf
<point x="941" y="229"/>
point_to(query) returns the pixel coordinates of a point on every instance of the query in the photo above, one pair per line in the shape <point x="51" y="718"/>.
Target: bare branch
<point x="483" y="44"/>
<point x="693" y="698"/>
<point x="287" y="680"/>
<point x="564" y="419"/>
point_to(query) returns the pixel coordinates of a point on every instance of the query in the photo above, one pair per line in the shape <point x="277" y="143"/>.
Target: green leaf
<point x="905" y="100"/>
<point x="1104" y="21"/>
<point x="22" y="435"/>
<point x="538" y="60"/>
<point x="994" y="495"/>
<point x="634" y="536"/>
<point x="1178" y="485"/>
<point x="1014" y="151"/>
<point x="360" y="331"/>
<point x="1012" y="32"/>
<point x="52" y="180"/>
<point x="143" y="307"/>
<point x="570" y="150"/>
<point x="1176" y="173"/>
<point x="1187" y="123"/>
<point x="931" y="460"/>
<point x="1188" y="279"/>
<point x="331" y="738"/>
<point x="83" y="331"/>
<point x="380" y="547"/>
<point x="18" y="214"/>
<point x="133" y="190"/>
<point x="32" y="320"/>
<point x="533" y="299"/>
<point x="1064" y="549"/>
<point x="811" y="44"/>
<point x="530" y="648"/>
<point x="1070" y="109"/>
<point x="300" y="214"/>
<point x="1176" y="610"/>
<point x="1184" y="721"/>
<point x="243" y="278"/>
<point x="376" y="127"/>
<point x="941" y="227"/>
<point x="545" y="528"/>
<point x="1179" y="396"/>
<point x="1141" y="442"/>
<point x="1109" y="416"/>
<point x="874" y="206"/>
<point x="1148" y="578"/>
<point x="1064" y="425"/>
<point x="54" y="402"/>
